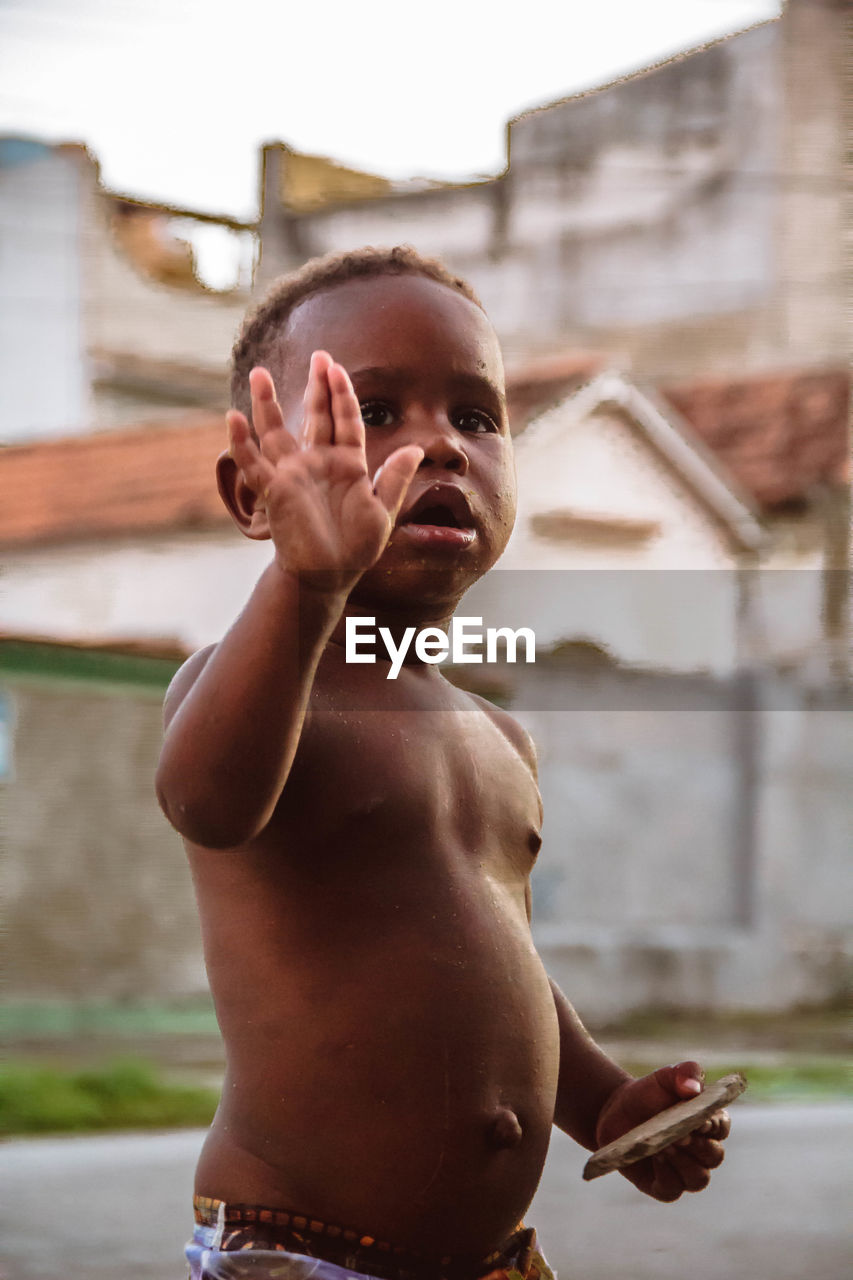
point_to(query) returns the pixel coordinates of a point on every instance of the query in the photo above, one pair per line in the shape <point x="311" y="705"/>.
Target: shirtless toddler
<point x="361" y="847"/>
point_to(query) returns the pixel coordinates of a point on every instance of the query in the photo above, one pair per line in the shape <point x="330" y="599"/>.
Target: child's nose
<point x="442" y="445"/>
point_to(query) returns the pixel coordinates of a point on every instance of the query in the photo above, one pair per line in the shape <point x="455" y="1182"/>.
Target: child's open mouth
<point x="440" y="517"/>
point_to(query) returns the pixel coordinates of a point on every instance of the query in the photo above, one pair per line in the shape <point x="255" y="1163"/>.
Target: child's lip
<point x="438" y="535"/>
<point x="440" y="494"/>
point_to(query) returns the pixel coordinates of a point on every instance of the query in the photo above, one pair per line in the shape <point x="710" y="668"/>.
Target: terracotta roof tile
<point x="160" y="476"/>
<point x="779" y="434"/>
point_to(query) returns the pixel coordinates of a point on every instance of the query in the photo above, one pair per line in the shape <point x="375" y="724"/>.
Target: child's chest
<point x="448" y="778"/>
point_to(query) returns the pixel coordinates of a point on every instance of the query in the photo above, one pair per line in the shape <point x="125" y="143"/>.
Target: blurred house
<point x="104" y="317"/>
<point x="698" y="527"/>
<point x="698" y="824"/>
<point x="662" y="259"/>
<point x="697" y="829"/>
<point x="122" y="535"/>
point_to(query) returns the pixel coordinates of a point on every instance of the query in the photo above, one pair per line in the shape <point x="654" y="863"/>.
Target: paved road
<point x="777" y="1210"/>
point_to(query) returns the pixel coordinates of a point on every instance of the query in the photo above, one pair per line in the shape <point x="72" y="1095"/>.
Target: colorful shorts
<point x="245" y="1242"/>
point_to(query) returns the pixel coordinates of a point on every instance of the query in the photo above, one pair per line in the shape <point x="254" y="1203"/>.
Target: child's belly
<point x="399" y="1079"/>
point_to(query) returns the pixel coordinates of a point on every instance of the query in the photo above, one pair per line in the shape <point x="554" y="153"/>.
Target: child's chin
<point x="398" y="579"/>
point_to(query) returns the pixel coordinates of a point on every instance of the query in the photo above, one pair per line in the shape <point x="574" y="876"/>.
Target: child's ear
<point x="240" y="499"/>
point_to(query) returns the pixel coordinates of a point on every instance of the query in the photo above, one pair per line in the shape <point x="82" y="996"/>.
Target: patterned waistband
<point x="242" y="1227"/>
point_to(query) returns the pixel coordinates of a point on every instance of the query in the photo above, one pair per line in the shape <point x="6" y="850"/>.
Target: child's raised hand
<point x="685" y="1165"/>
<point x="328" y="518"/>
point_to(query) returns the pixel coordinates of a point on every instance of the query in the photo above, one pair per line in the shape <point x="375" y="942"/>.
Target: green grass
<point x="809" y="1080"/>
<point x="48" y="1020"/>
<point x="131" y="1094"/>
<point x="126" y="1094"/>
<point x="55" y="1080"/>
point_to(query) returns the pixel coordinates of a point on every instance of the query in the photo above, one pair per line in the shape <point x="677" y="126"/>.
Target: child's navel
<point x="505" y="1130"/>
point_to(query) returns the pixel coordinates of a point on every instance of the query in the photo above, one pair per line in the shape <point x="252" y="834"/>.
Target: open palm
<point x="328" y="518"/>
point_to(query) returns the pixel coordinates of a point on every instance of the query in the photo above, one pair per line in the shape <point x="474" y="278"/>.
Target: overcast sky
<point x="175" y="96"/>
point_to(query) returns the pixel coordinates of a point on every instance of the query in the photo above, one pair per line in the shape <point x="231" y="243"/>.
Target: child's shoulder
<point x="509" y="727"/>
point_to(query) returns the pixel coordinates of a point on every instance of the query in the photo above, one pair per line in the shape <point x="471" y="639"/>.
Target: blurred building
<point x="663" y="260"/>
<point x="688" y="219"/>
<point x="104" y="317"/>
<point x="692" y="527"/>
<point x="692" y="755"/>
<point x="646" y="495"/>
<point x="685" y="225"/>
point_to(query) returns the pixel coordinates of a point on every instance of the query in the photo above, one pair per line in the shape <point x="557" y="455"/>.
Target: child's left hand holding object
<point x="684" y="1165"/>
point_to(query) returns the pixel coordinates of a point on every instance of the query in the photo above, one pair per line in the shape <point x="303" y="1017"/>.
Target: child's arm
<point x="597" y="1102"/>
<point x="235" y="713"/>
<point x="588" y="1077"/>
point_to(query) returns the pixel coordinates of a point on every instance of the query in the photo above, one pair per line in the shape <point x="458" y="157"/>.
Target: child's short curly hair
<point x="264" y="322"/>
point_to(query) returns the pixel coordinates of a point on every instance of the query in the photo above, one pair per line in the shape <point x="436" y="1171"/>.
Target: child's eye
<point x="474" y="420"/>
<point x="376" y="414"/>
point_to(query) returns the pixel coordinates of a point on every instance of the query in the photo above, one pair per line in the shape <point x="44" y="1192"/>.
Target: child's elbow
<point x="175" y="810"/>
<point x="199" y="821"/>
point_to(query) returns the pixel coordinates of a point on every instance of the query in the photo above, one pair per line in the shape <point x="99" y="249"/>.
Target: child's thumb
<point x="684" y="1080"/>
<point x="394" y="477"/>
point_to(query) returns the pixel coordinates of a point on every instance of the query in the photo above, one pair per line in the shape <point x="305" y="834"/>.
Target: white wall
<point x="186" y="587"/>
<point x="690" y="218"/>
<point x="43" y="381"/>
<point x="669" y="601"/>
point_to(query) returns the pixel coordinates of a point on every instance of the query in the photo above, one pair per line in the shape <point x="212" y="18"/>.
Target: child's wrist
<point x="325" y="589"/>
<point x="608" y="1103"/>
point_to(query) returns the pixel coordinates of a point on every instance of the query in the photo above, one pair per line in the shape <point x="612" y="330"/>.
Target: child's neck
<point x="397" y="620"/>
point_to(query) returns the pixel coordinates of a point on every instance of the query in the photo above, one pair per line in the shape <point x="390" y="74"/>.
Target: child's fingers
<point x="718" y="1125"/>
<point x="318" y="426"/>
<point x="241" y="446"/>
<point x="346" y="414"/>
<point x="706" y="1151"/>
<point x="667" y="1185"/>
<point x="693" y="1175"/>
<point x="395" y="475"/>
<point x="266" y="412"/>
<point x="257" y="469"/>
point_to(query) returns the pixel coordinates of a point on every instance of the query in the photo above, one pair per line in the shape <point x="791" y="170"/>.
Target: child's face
<point x="427" y="370"/>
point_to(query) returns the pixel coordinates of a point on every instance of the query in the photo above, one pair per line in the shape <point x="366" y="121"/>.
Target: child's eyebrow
<point x="479" y="384"/>
<point x="467" y="383"/>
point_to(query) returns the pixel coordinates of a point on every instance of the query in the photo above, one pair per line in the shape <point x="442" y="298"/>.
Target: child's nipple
<point x="505" y="1130"/>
